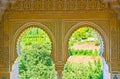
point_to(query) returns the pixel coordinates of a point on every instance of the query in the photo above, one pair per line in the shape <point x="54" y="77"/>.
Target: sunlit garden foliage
<point x="78" y="70"/>
<point x="82" y="35"/>
<point x="83" y="71"/>
<point x="35" y="61"/>
<point x="82" y="52"/>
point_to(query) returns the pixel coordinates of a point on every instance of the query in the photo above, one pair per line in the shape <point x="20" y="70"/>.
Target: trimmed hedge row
<point x="83" y="71"/>
<point x="73" y="52"/>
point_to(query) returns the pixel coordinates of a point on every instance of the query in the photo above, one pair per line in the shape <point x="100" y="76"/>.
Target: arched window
<point x="86" y="61"/>
<point x="34" y="61"/>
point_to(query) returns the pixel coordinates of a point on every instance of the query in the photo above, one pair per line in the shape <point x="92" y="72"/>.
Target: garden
<point x="84" y="61"/>
<point x="35" y="61"/>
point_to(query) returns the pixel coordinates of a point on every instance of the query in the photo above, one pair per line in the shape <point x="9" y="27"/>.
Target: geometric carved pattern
<point x="68" y="25"/>
<point x="4" y="52"/>
<point x="58" y="5"/>
<point x="6" y="57"/>
<point x="119" y="42"/>
<point x="1" y="36"/>
<point x="50" y="25"/>
<point x="1" y="45"/>
<point x="113" y="37"/>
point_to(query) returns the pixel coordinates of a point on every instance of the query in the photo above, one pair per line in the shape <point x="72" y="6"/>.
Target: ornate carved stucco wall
<point x="57" y="18"/>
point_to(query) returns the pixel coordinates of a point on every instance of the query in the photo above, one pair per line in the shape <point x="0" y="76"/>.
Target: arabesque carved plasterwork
<point x="119" y="42"/>
<point x="59" y="5"/>
<point x="51" y="26"/>
<point x="68" y="25"/>
<point x="113" y="35"/>
<point x="4" y="52"/>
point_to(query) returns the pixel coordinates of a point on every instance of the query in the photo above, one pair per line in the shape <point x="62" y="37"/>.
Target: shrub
<point x="35" y="61"/>
<point x="73" y="52"/>
<point x="97" y="42"/>
<point x="83" y="71"/>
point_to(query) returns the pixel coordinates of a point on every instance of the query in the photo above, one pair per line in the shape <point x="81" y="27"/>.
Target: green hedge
<point x="73" y="52"/>
<point x="83" y="71"/>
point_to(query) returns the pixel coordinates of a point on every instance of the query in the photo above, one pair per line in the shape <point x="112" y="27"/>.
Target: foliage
<point x="35" y="61"/>
<point x="81" y="36"/>
<point x="83" y="71"/>
<point x="97" y="42"/>
<point x="34" y="36"/>
<point x="91" y="70"/>
<point x="81" y="33"/>
<point x="73" y="52"/>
